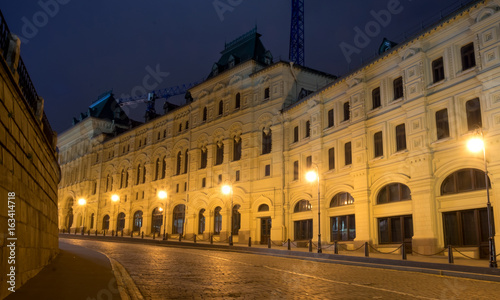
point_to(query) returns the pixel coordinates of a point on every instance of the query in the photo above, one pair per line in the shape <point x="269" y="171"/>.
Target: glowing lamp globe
<point x="311" y="176"/>
<point x="475" y="144"/>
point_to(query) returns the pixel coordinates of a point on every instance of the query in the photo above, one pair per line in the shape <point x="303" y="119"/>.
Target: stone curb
<point x="471" y="272"/>
<point x="126" y="285"/>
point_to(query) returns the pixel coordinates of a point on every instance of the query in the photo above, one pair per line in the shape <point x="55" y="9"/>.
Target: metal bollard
<point x="154" y="235"/>
<point x="142" y="235"/>
<point x="104" y="232"/>
<point x="367" y="251"/>
<point x="180" y="237"/>
<point x="450" y="255"/>
<point x="335" y="247"/>
<point x="82" y="231"/>
<point x="131" y="234"/>
<point x="211" y="239"/>
<point x="113" y="232"/>
<point x="289" y="247"/>
<point x="269" y="243"/>
<point x="96" y="232"/>
<point x="75" y="231"/>
<point x="88" y="233"/>
<point x="310" y="246"/>
<point x="122" y="232"/>
<point x="194" y="238"/>
<point x="403" y="252"/>
<point x="250" y="241"/>
<point x="166" y="236"/>
<point x="63" y="230"/>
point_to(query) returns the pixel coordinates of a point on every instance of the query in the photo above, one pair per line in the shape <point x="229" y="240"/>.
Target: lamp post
<point x="163" y="195"/>
<point x="115" y="198"/>
<point x="313" y="176"/>
<point x="226" y="190"/>
<point x="83" y="202"/>
<point x="476" y="144"/>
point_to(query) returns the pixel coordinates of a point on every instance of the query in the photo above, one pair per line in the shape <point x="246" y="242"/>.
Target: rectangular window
<point x="296" y="170"/>
<point x="219" y="155"/>
<point x="237" y="149"/>
<point x="308" y="129"/>
<point x="347" y="111"/>
<point x="342" y="228"/>
<point x="308" y="162"/>
<point x="473" y="109"/>
<point x="400" y="137"/>
<point x="375" y="98"/>
<point x="185" y="186"/>
<point x="203" y="159"/>
<point x="395" y="229"/>
<point x="266" y="93"/>
<point x="219" y="179"/>
<point x="303" y="229"/>
<point x="378" y="144"/>
<point x="437" y="70"/>
<point x="296" y="134"/>
<point x="203" y="182"/>
<point x="331" y="158"/>
<point x="398" y="88"/>
<point x="177" y="188"/>
<point x="237" y="175"/>
<point x="468" y="57"/>
<point x="347" y="153"/>
<point x="442" y="125"/>
<point x="267" y="170"/>
<point x="330" y="118"/>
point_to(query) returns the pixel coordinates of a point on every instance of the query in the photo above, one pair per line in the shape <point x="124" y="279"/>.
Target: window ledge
<point x="377" y="158"/>
<point x="469" y="70"/>
<point x="437" y="83"/>
<point x="400" y="99"/>
<point x="436" y="142"/>
<point x="400" y="152"/>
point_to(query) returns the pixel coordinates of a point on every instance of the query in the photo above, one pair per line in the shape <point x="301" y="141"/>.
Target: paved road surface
<point x="181" y="273"/>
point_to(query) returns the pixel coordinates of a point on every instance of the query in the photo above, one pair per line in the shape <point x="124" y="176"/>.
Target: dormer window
<point x="268" y="58"/>
<point x="231" y="62"/>
<point x="215" y="69"/>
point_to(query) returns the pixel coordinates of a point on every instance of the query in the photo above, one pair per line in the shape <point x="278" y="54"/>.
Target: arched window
<point x="203" y="159"/>
<point x="302" y="205"/>
<point x="393" y="192"/>
<point x="120" y="222"/>
<point x="217" y="220"/>
<point x="157" y="170"/>
<point x="221" y="107"/>
<point x="178" y="219"/>
<point x="137" y="221"/>
<point x="204" y="114"/>
<point x="266" y="141"/>
<point x="341" y="199"/>
<point x="237" y="148"/>
<point x="201" y="221"/>
<point x="178" y="169"/>
<point x="122" y="175"/>
<point x="144" y="174"/>
<point x="237" y="101"/>
<point x="126" y="178"/>
<point x="107" y="183"/>
<point x="186" y="161"/>
<point x="105" y="222"/>
<point x="156" y="220"/>
<point x="92" y="221"/>
<point x="164" y="167"/>
<point x="263" y="207"/>
<point x="219" y="154"/>
<point x="464" y="180"/>
<point x="236" y="219"/>
<point x="70" y="218"/>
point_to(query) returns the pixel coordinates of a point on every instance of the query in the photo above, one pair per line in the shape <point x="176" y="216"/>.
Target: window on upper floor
<point x="237" y="101"/>
<point x="267" y="170"/>
<point x="437" y="70"/>
<point x="468" y="57"/>
<point x="236" y="148"/>
<point x="204" y="118"/>
<point x="219" y="153"/>
<point x="398" y="88"/>
<point x="266" y="93"/>
<point x="186" y="161"/>
<point x="179" y="163"/>
<point x="442" y="125"/>
<point x="309" y="162"/>
<point x="330" y="118"/>
<point x="464" y="180"/>
<point x="347" y="111"/>
<point x="237" y="175"/>
<point x="296" y="170"/>
<point x="203" y="159"/>
<point x="393" y="192"/>
<point x="400" y="137"/>
<point x="308" y="129"/>
<point x="331" y="158"/>
<point x="347" y="153"/>
<point x="221" y="107"/>
<point x="378" y="146"/>
<point x="473" y="110"/>
<point x="296" y="134"/>
<point x="376" y="97"/>
<point x="266" y="141"/>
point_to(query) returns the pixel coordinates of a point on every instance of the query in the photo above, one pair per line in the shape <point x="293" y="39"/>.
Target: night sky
<point x="76" y="50"/>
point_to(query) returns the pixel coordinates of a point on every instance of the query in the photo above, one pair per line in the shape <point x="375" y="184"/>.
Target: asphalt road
<point x="182" y="273"/>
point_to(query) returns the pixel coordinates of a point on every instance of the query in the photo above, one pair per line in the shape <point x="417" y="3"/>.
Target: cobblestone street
<point x="180" y="273"/>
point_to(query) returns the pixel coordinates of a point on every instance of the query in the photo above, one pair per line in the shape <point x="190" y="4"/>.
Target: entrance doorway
<point x="265" y="230"/>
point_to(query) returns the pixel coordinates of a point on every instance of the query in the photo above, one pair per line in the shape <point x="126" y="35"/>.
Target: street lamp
<point x="313" y="176"/>
<point x="83" y="202"/>
<point x="476" y="144"/>
<point x="226" y="190"/>
<point x="115" y="198"/>
<point x="163" y="195"/>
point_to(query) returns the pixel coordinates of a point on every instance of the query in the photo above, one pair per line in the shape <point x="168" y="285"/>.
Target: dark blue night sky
<point x="75" y="50"/>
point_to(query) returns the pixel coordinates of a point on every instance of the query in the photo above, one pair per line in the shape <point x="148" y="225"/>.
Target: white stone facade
<point x="452" y="66"/>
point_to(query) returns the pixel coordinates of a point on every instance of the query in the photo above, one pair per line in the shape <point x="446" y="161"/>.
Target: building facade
<point x="387" y="140"/>
<point x="29" y="172"/>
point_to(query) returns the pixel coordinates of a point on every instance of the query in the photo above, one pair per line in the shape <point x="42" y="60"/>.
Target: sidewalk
<point x="438" y="264"/>
<point x="76" y="273"/>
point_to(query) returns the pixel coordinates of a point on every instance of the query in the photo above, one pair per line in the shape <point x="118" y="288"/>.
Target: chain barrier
<point x="292" y="243"/>
<point x="326" y="247"/>
<point x="345" y="247"/>
<point x="219" y="241"/>
<point x="281" y="245"/>
<point x="413" y="251"/>
<point x="376" y="250"/>
<point x="464" y="254"/>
